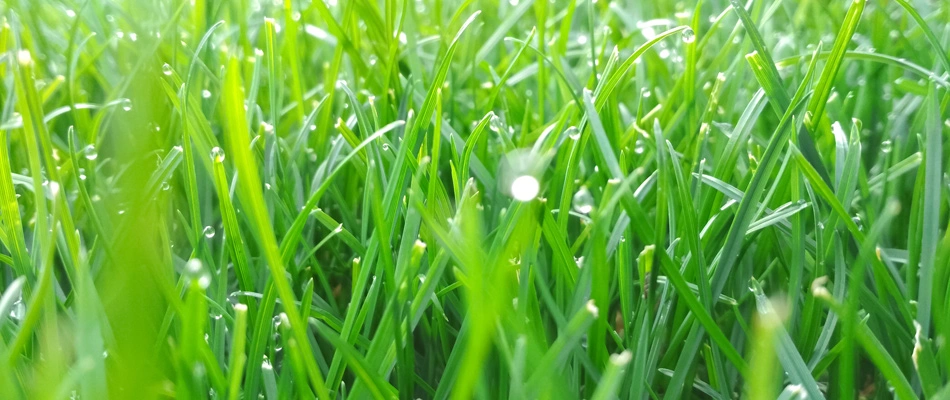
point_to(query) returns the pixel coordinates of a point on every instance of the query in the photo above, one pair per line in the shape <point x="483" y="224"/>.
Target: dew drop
<point x="573" y="133"/>
<point x="126" y="105"/>
<point x="166" y="186"/>
<point x="638" y="147"/>
<point x="208" y="232"/>
<point x="495" y="124"/>
<point x="886" y="146"/>
<point x="857" y="221"/>
<point x="206" y="94"/>
<point x="217" y="154"/>
<point x="689" y="36"/>
<point x="18" y="311"/>
<point x="167" y="69"/>
<point x="196" y="272"/>
<point x="90" y="152"/>
<point x="582" y="201"/>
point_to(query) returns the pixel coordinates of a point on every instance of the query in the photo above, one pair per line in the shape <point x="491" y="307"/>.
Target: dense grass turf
<point x="474" y="199"/>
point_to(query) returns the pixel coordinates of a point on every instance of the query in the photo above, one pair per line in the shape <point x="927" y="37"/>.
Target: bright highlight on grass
<point x="474" y="199"/>
<point x="525" y="188"/>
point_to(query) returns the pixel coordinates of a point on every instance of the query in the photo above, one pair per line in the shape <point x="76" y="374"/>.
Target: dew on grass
<point x="689" y="36"/>
<point x="495" y="124"/>
<point x="583" y="201"/>
<point x="126" y="105"/>
<point x="167" y="69"/>
<point x="886" y="146"/>
<point x="90" y="152"/>
<point x="573" y="133"/>
<point x="208" y="231"/>
<point x="18" y="311"/>
<point x="217" y="154"/>
<point x="206" y="94"/>
<point x="196" y="272"/>
<point x="857" y="221"/>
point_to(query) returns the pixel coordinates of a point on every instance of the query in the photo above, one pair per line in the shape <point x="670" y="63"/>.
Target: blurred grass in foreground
<point x="474" y="199"/>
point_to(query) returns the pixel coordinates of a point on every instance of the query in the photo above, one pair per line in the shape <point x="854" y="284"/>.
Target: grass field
<point x="598" y="199"/>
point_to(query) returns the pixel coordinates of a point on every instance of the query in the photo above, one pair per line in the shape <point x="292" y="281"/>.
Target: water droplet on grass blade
<point x="196" y="272"/>
<point x="495" y="124"/>
<point x="206" y="93"/>
<point x="217" y="154"/>
<point x="18" y="311"/>
<point x="573" y="133"/>
<point x="689" y="36"/>
<point x="583" y="202"/>
<point x="857" y="221"/>
<point x="90" y="152"/>
<point x="167" y="69"/>
<point x="886" y="146"/>
<point x="208" y="232"/>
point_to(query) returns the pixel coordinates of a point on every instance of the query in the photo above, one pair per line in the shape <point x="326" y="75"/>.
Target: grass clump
<point x="474" y="199"/>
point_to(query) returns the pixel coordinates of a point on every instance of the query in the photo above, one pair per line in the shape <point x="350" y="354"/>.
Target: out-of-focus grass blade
<point x="562" y="347"/>
<point x="238" y="356"/>
<point x="612" y="378"/>
<point x="762" y="384"/>
<point x="787" y="352"/>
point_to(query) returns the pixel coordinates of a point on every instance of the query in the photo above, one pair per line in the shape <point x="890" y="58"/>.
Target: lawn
<point x="517" y="199"/>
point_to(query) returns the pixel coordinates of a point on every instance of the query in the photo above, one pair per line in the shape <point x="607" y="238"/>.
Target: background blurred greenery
<point x="469" y="198"/>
